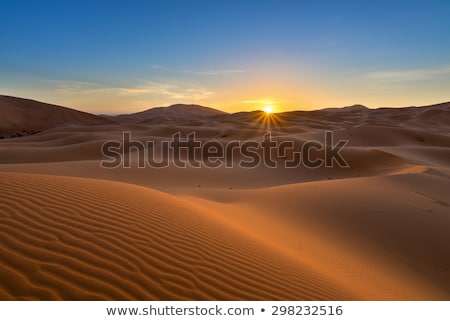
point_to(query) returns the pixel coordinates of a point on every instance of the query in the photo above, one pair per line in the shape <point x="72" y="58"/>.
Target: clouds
<point x="261" y="101"/>
<point x="155" y="89"/>
<point x="166" y="90"/>
<point x="213" y="72"/>
<point x="206" y="72"/>
<point x="411" y="74"/>
<point x="139" y="94"/>
<point x="166" y="86"/>
<point x="102" y="98"/>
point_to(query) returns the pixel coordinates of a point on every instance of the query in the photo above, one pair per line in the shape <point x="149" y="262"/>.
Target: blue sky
<point x="125" y="56"/>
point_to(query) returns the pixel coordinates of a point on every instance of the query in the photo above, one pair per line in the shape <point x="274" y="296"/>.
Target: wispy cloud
<point x="146" y="89"/>
<point x="207" y="72"/>
<point x="411" y="74"/>
<point x="172" y="91"/>
<point x="260" y="101"/>
<point x="70" y="86"/>
<point x="159" y="67"/>
<point x="213" y="72"/>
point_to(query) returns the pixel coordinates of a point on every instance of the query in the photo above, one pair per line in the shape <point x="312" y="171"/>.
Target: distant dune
<point x="377" y="230"/>
<point x="19" y="116"/>
<point x="173" y="112"/>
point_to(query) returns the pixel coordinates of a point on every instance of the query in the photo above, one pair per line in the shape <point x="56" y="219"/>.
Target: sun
<point x="268" y="109"/>
<point x="267" y="118"/>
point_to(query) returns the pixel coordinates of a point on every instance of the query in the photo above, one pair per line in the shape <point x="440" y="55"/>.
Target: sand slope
<point x="71" y="238"/>
<point x="24" y="116"/>
<point x="387" y="236"/>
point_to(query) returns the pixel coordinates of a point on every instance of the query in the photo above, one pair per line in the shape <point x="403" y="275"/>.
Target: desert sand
<point x="377" y="230"/>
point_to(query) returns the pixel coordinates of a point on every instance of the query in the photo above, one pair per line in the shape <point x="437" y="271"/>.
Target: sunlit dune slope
<point x="72" y="238"/>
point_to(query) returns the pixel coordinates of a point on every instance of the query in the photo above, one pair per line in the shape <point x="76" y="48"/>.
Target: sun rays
<point x="267" y="119"/>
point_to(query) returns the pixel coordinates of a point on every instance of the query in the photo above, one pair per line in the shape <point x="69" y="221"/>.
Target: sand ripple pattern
<point x="82" y="239"/>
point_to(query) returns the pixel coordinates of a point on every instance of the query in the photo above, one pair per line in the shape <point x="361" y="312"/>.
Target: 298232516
<point x="307" y="310"/>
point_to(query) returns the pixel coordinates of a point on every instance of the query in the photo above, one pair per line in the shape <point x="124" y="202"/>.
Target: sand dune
<point x="376" y="230"/>
<point x="22" y="117"/>
<point x="172" y="113"/>
<point x="314" y="234"/>
<point x="72" y="238"/>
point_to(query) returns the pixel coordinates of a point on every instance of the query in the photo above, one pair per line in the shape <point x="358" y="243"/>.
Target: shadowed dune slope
<point x="25" y="116"/>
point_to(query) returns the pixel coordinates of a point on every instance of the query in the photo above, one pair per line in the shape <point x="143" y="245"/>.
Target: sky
<point x="127" y="56"/>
